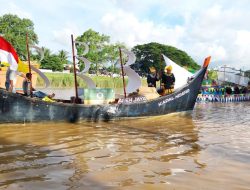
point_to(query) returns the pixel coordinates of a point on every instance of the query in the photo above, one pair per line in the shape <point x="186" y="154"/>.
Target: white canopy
<point x="233" y="78"/>
<point x="181" y="74"/>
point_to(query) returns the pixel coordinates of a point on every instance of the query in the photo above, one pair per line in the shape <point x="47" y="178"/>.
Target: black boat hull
<point x="17" y="108"/>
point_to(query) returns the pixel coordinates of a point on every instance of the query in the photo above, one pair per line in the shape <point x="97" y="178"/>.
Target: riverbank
<point x="65" y="80"/>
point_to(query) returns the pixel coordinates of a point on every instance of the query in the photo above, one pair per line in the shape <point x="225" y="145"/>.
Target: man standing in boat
<point x="152" y="77"/>
<point x="11" y="76"/>
<point x="168" y="81"/>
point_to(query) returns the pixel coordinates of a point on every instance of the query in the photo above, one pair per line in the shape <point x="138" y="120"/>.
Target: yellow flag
<point x="22" y="67"/>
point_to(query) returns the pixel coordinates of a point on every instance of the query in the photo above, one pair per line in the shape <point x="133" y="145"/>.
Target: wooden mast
<point x="123" y="80"/>
<point x="74" y="64"/>
<point x="28" y="54"/>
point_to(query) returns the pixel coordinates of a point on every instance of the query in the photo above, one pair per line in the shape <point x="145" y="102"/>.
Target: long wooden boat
<point x="16" y="108"/>
<point x="223" y="98"/>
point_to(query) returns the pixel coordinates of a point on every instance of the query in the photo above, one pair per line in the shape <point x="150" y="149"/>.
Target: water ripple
<point x="167" y="152"/>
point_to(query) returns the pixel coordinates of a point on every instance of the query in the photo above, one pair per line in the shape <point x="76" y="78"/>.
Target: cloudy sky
<point x="219" y="28"/>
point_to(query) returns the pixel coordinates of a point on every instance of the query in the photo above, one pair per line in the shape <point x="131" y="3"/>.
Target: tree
<point x="63" y="56"/>
<point x="52" y="62"/>
<point x="46" y="51"/>
<point x="150" y="55"/>
<point x="14" y="29"/>
<point x="44" y="62"/>
<point x="212" y="75"/>
<point x="101" y="52"/>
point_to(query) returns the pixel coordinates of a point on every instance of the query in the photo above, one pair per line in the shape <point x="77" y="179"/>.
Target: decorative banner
<point x="86" y="47"/>
<point x="99" y="96"/>
<point x="46" y="80"/>
<point x="131" y="57"/>
<point x="8" y="55"/>
<point x="134" y="80"/>
<point x="86" y="62"/>
<point x="90" y="83"/>
<point x="40" y="50"/>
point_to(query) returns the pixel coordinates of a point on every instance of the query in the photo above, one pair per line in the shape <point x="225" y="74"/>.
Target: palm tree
<point x="47" y="55"/>
<point x="63" y="55"/>
<point x="47" y="52"/>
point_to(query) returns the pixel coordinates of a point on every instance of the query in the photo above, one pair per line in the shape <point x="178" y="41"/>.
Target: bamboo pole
<point x="123" y="80"/>
<point x="161" y="69"/>
<point x="28" y="54"/>
<point x="74" y="64"/>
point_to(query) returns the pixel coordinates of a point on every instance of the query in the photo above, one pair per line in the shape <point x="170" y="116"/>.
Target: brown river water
<point x="208" y="149"/>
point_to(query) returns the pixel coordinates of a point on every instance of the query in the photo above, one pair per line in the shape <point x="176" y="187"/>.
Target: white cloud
<point x="217" y="32"/>
<point x="125" y="27"/>
<point x="12" y="8"/>
<point x="62" y="36"/>
<point x="212" y="30"/>
<point x="215" y="27"/>
<point x="242" y="50"/>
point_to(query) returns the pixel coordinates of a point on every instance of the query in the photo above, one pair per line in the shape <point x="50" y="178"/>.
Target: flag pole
<point x="161" y="68"/>
<point x="74" y="64"/>
<point x="124" y="89"/>
<point x="28" y="54"/>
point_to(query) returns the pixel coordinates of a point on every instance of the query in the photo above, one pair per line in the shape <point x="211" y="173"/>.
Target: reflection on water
<point x="206" y="150"/>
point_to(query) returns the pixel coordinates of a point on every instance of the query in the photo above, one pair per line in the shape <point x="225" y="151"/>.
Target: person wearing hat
<point x="168" y="80"/>
<point x="152" y="77"/>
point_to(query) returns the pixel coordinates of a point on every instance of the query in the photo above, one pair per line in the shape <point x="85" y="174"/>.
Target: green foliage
<point x="101" y="52"/>
<point x="55" y="62"/>
<point x="14" y="29"/>
<point x="212" y="75"/>
<point x="113" y="69"/>
<point x="52" y="62"/>
<point x="63" y="56"/>
<point x="150" y="55"/>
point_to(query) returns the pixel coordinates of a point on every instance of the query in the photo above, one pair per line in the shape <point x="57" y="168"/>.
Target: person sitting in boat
<point x="214" y="83"/>
<point x="168" y="81"/>
<point x="26" y="85"/>
<point x="236" y="89"/>
<point x="248" y="87"/>
<point x="11" y="76"/>
<point x="228" y="90"/>
<point x="38" y="94"/>
<point x="152" y="77"/>
<point x="244" y="90"/>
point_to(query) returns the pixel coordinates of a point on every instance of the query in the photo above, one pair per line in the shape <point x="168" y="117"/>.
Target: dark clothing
<point x="168" y="80"/>
<point x="236" y="90"/>
<point x="151" y="80"/>
<point x="244" y="90"/>
<point x="39" y="94"/>
<point x="229" y="90"/>
<point x="26" y="87"/>
<point x="26" y="90"/>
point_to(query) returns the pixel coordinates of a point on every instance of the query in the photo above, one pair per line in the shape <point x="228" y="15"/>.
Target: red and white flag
<point x="8" y="54"/>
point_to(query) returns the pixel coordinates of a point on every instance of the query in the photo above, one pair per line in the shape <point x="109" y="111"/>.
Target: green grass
<point x="64" y="80"/>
